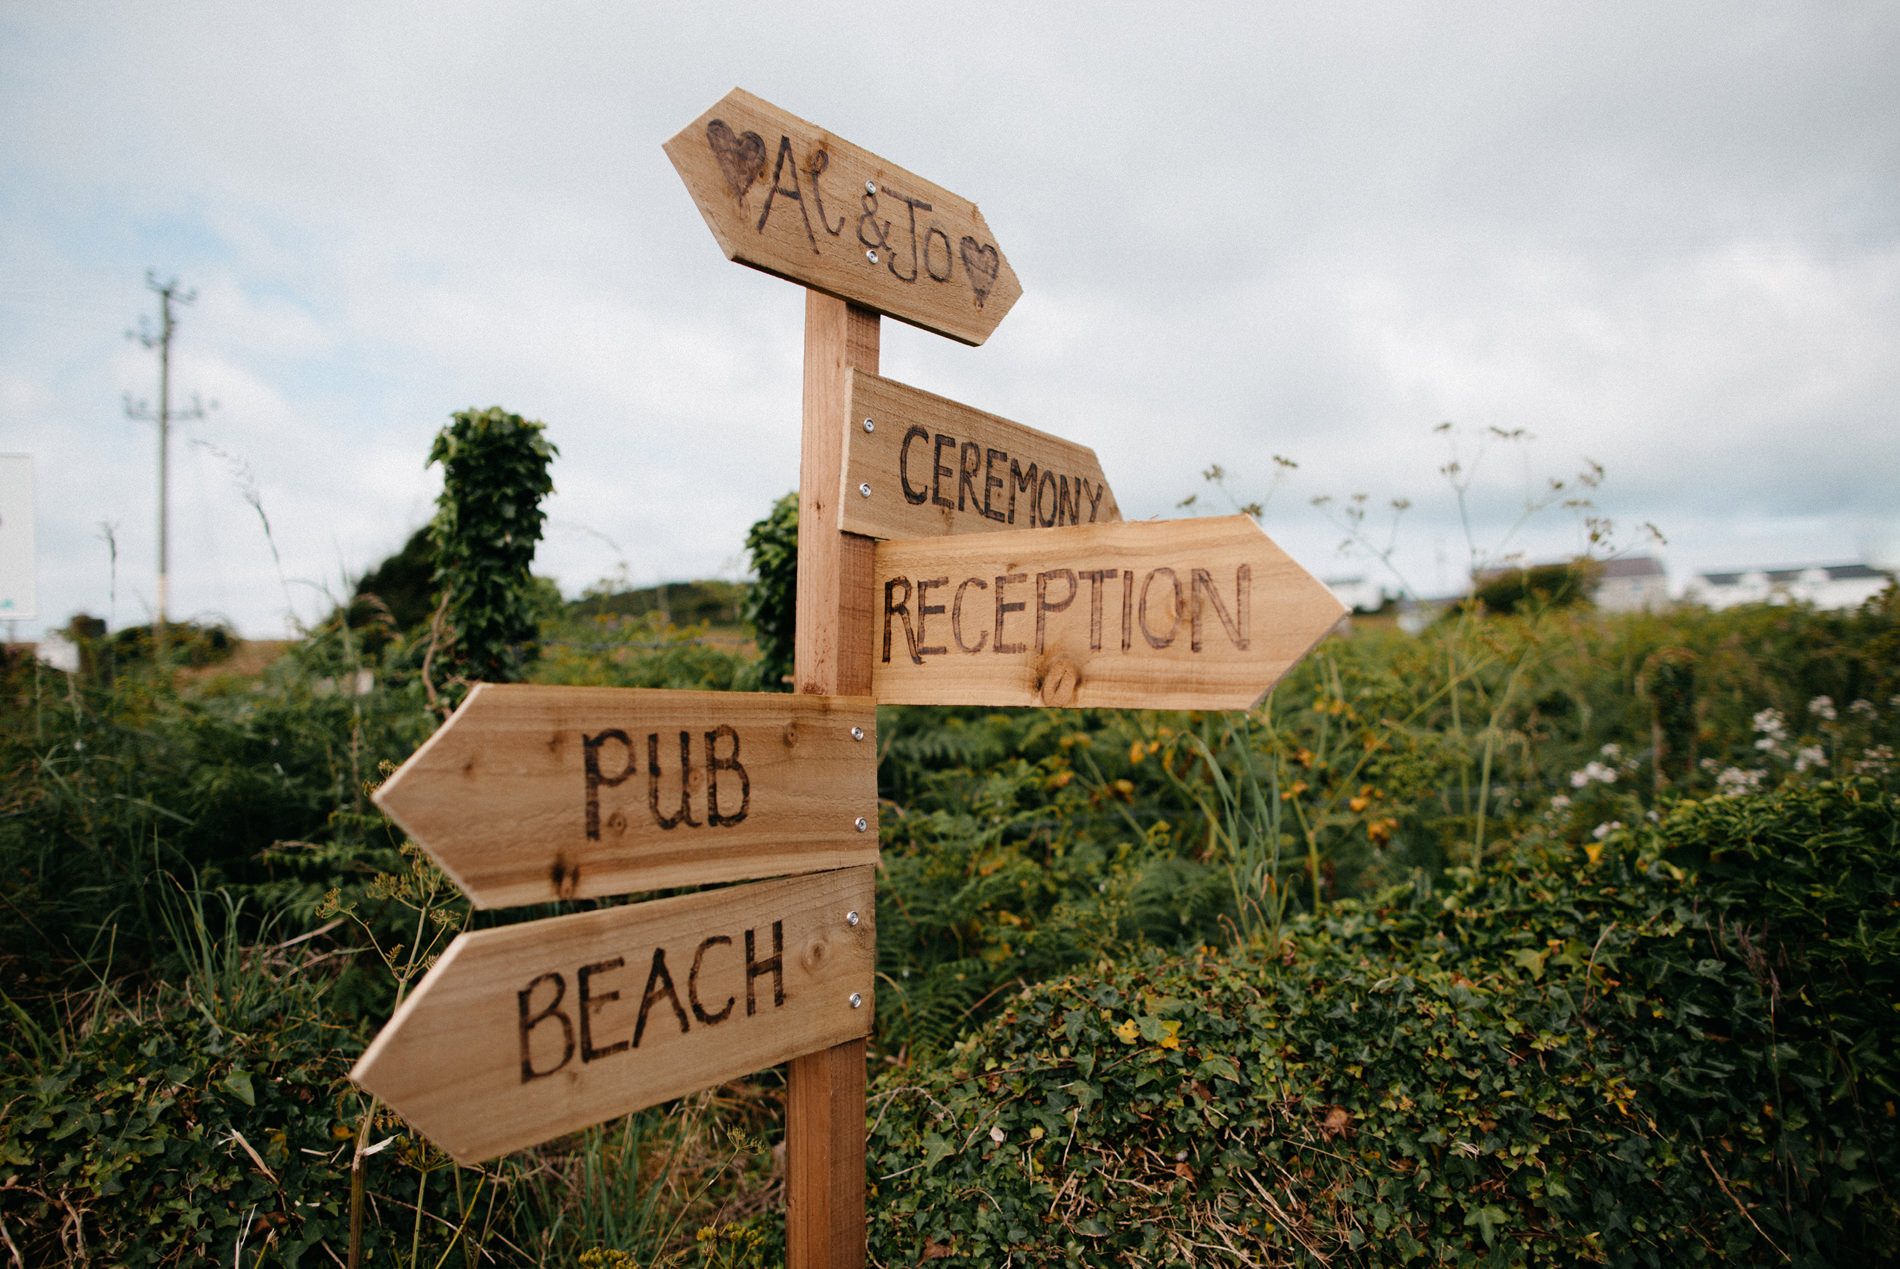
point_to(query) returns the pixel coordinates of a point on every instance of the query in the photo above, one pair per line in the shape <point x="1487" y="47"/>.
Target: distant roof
<point x="1632" y="566"/>
<point x="1834" y="572"/>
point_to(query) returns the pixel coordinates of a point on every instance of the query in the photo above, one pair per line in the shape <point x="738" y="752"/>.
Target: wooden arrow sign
<point x="531" y="793"/>
<point x="787" y="197"/>
<point x="1157" y="614"/>
<point x="919" y="465"/>
<point x="529" y="1031"/>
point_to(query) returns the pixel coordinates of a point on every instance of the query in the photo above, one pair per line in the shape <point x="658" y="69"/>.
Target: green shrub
<point x="771" y="604"/>
<point x="1685" y="1052"/>
<point x="166" y="1136"/>
<point x="488" y="520"/>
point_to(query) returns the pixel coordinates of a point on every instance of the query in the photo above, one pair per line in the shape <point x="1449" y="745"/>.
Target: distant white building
<point x="1823" y="586"/>
<point x="1636" y="583"/>
<point x="1358" y="594"/>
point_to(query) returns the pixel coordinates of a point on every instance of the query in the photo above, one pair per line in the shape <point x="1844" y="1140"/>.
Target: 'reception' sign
<point x="1158" y="614"/>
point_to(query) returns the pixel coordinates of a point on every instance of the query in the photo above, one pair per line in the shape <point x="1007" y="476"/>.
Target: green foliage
<point x="1668" y="680"/>
<point x="1507" y="591"/>
<point x="188" y="1128"/>
<point x="488" y="520"/>
<point x="644" y="651"/>
<point x="711" y="603"/>
<point x="1622" y="1062"/>
<point x="771" y="605"/>
<point x="398" y="595"/>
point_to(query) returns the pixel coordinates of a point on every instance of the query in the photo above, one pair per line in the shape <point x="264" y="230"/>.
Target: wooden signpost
<point x="530" y="794"/>
<point x="1010" y="579"/>
<point x="1146" y="614"/>
<point x="789" y="198"/>
<point x="526" y="1032"/>
<point x="918" y="465"/>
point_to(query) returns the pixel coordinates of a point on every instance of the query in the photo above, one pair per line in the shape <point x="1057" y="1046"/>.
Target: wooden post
<point x="824" y="1113"/>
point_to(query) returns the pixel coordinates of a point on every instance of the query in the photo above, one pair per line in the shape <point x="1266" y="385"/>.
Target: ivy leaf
<point x="238" y="1084"/>
<point x="1530" y="959"/>
<point x="1487" y="1219"/>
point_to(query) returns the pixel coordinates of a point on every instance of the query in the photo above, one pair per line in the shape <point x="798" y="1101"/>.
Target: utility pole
<point x="168" y="295"/>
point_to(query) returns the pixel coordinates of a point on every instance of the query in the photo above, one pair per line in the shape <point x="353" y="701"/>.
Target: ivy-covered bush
<point x="173" y="1134"/>
<point x="771" y="604"/>
<point x="1684" y="1051"/>
<point x="487" y="523"/>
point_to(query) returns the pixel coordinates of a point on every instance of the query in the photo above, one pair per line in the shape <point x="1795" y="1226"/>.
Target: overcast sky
<point x="1662" y="238"/>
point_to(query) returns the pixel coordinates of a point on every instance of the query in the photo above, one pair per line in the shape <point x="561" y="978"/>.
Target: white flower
<point x="1733" y="782"/>
<point x="1602" y="831"/>
<point x="1612" y="751"/>
<point x="1560" y="803"/>
<point x="1822" y="707"/>
<point x="1863" y="707"/>
<point x="1809" y="756"/>
<point x="1877" y="760"/>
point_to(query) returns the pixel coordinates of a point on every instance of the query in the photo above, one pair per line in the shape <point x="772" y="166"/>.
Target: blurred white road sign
<point x="18" y="566"/>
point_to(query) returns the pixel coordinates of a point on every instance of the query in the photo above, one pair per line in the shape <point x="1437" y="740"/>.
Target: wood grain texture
<point x="833" y="651"/>
<point x="531" y="793"/>
<point x="1159" y="614"/>
<point x="824" y="1117"/>
<point x="824" y="1142"/>
<point x="526" y="1032"/>
<point x="791" y="199"/>
<point x="934" y="467"/>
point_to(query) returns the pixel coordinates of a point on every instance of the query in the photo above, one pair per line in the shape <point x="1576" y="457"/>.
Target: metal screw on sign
<point x="870" y="187"/>
<point x="857" y="733"/>
<point x="857" y="1001"/>
<point x="850" y="918"/>
<point x="863" y="824"/>
<point x="865" y="489"/>
<point x="869" y="426"/>
<point x="871" y="256"/>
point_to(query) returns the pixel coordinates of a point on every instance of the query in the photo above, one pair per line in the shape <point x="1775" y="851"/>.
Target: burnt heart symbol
<point x="981" y="262"/>
<point x="741" y="155"/>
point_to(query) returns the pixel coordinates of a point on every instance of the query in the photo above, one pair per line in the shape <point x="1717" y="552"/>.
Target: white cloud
<point x="1661" y="238"/>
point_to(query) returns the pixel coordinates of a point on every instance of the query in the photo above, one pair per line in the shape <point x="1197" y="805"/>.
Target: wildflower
<point x="1876" y="761"/>
<point x="1592" y="771"/>
<point x="1733" y="782"/>
<point x="1770" y="723"/>
<point x="1822" y="707"/>
<point x="1603" y="830"/>
<point x="1561" y="802"/>
<point x="1863" y="707"/>
<point x="1809" y="756"/>
<point x="1612" y="751"/>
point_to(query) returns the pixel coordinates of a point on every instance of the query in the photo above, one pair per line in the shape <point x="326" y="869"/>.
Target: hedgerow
<point x="1683" y="1051"/>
